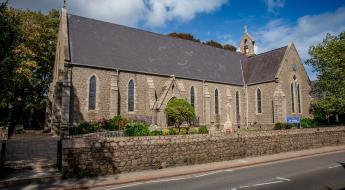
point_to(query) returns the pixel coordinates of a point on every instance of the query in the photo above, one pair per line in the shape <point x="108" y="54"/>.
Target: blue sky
<point x="273" y="23"/>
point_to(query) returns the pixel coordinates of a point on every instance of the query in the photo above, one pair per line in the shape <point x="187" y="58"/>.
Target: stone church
<point x="104" y="69"/>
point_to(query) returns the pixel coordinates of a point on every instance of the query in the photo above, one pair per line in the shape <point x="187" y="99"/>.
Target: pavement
<point x="222" y="175"/>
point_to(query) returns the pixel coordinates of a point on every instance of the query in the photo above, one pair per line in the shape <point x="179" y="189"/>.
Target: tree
<point x="214" y="44"/>
<point x="328" y="60"/>
<point x="179" y="111"/>
<point x="29" y="60"/>
<point x="229" y="47"/>
<point x="184" y="36"/>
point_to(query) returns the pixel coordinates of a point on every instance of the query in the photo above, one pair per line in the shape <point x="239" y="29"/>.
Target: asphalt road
<point x="317" y="172"/>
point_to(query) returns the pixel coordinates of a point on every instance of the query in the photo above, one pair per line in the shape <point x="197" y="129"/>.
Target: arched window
<point x="192" y="96"/>
<point x="216" y="102"/>
<point x="92" y="93"/>
<point x="258" y="101"/>
<point x="237" y="104"/>
<point x="299" y="99"/>
<point x="292" y="99"/>
<point x="131" y="95"/>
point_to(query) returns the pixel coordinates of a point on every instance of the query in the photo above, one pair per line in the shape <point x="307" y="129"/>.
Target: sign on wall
<point x="294" y="119"/>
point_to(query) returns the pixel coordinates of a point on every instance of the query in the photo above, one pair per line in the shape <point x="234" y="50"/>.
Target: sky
<point x="273" y="23"/>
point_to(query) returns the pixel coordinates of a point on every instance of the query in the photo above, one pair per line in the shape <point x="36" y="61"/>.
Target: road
<point x="317" y="172"/>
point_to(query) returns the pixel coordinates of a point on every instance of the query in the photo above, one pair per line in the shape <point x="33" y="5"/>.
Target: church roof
<point x="263" y="67"/>
<point x="106" y="45"/>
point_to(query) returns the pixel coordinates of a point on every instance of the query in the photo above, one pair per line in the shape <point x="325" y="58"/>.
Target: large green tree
<point x="328" y="60"/>
<point x="29" y="61"/>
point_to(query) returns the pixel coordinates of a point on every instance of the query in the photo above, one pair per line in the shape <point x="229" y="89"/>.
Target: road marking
<point x="285" y="179"/>
<point x="124" y="186"/>
<point x="267" y="183"/>
<point x="165" y="180"/>
<point x="334" y="166"/>
<point x="228" y="170"/>
<point x="210" y="173"/>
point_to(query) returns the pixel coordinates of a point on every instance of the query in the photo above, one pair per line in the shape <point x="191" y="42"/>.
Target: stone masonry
<point x="94" y="155"/>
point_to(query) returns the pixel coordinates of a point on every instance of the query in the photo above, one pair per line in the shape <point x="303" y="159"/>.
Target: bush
<point x="156" y="133"/>
<point x="165" y="131"/>
<point x="280" y="126"/>
<point x="85" y="128"/>
<point x="179" y="111"/>
<point x="203" y="130"/>
<point x="308" y="123"/>
<point x="173" y="131"/>
<point x="137" y="129"/>
<point x="193" y="130"/>
<point x="184" y="131"/>
<point x="118" y="123"/>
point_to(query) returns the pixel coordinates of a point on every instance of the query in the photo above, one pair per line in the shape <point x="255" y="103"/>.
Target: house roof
<point x="107" y="45"/>
<point x="263" y="67"/>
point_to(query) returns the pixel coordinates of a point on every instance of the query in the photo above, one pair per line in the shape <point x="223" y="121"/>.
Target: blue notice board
<point x="294" y="119"/>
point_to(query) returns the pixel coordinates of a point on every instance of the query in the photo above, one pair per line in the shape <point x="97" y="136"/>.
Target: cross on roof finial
<point x="245" y="28"/>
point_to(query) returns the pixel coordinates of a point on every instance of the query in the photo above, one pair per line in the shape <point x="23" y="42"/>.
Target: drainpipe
<point x="247" y="111"/>
<point x="203" y="101"/>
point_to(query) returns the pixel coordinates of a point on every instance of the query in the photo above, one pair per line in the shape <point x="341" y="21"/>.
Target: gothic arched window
<point x="292" y="99"/>
<point x="131" y="95"/>
<point x="216" y="102"/>
<point x="299" y="99"/>
<point x="258" y="101"/>
<point x="192" y="96"/>
<point x="92" y="93"/>
<point x="237" y="104"/>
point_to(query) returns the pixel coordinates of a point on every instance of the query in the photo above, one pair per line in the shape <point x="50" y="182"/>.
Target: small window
<point x="92" y="93"/>
<point x="216" y="102"/>
<point x="131" y="96"/>
<point x="258" y="101"/>
<point x="237" y="104"/>
<point x="292" y="99"/>
<point x="192" y="96"/>
<point x="299" y="99"/>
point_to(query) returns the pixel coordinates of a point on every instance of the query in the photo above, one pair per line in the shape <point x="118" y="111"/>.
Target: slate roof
<point x="263" y="67"/>
<point x="107" y="45"/>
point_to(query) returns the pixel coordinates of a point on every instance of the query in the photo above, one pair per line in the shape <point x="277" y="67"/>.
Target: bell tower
<point x="247" y="43"/>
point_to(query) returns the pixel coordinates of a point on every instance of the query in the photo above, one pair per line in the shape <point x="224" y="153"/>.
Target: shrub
<point x="137" y="129"/>
<point x="117" y="123"/>
<point x="156" y="133"/>
<point x="183" y="131"/>
<point x="173" y="131"/>
<point x="179" y="111"/>
<point x="308" y="123"/>
<point x="193" y="130"/>
<point x="279" y="126"/>
<point x="203" y="130"/>
<point x="165" y="131"/>
<point x="85" y="128"/>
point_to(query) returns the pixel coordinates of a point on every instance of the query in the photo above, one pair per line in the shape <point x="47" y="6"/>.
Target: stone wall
<point x="94" y="155"/>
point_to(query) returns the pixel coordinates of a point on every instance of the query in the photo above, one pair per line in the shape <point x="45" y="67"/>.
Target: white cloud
<point x="274" y="5"/>
<point x="308" y="30"/>
<point x="151" y="13"/>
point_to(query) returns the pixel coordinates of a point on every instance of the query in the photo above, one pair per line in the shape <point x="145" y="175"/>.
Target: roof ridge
<point x="158" y="34"/>
<point x="267" y="52"/>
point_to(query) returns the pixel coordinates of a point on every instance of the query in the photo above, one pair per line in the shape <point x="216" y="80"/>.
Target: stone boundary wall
<point x="96" y="155"/>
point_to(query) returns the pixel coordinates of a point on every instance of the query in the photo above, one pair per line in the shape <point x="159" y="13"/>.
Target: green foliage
<point x="179" y="111"/>
<point x="137" y="129"/>
<point x="203" y="130"/>
<point x="328" y="60"/>
<point x="117" y="123"/>
<point x="279" y="126"/>
<point x="193" y="130"/>
<point x="27" y="54"/>
<point x="229" y="47"/>
<point x="85" y="128"/>
<point x="156" y="133"/>
<point x="213" y="43"/>
<point x="308" y="123"/>
<point x="173" y="131"/>
<point x="185" y="36"/>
